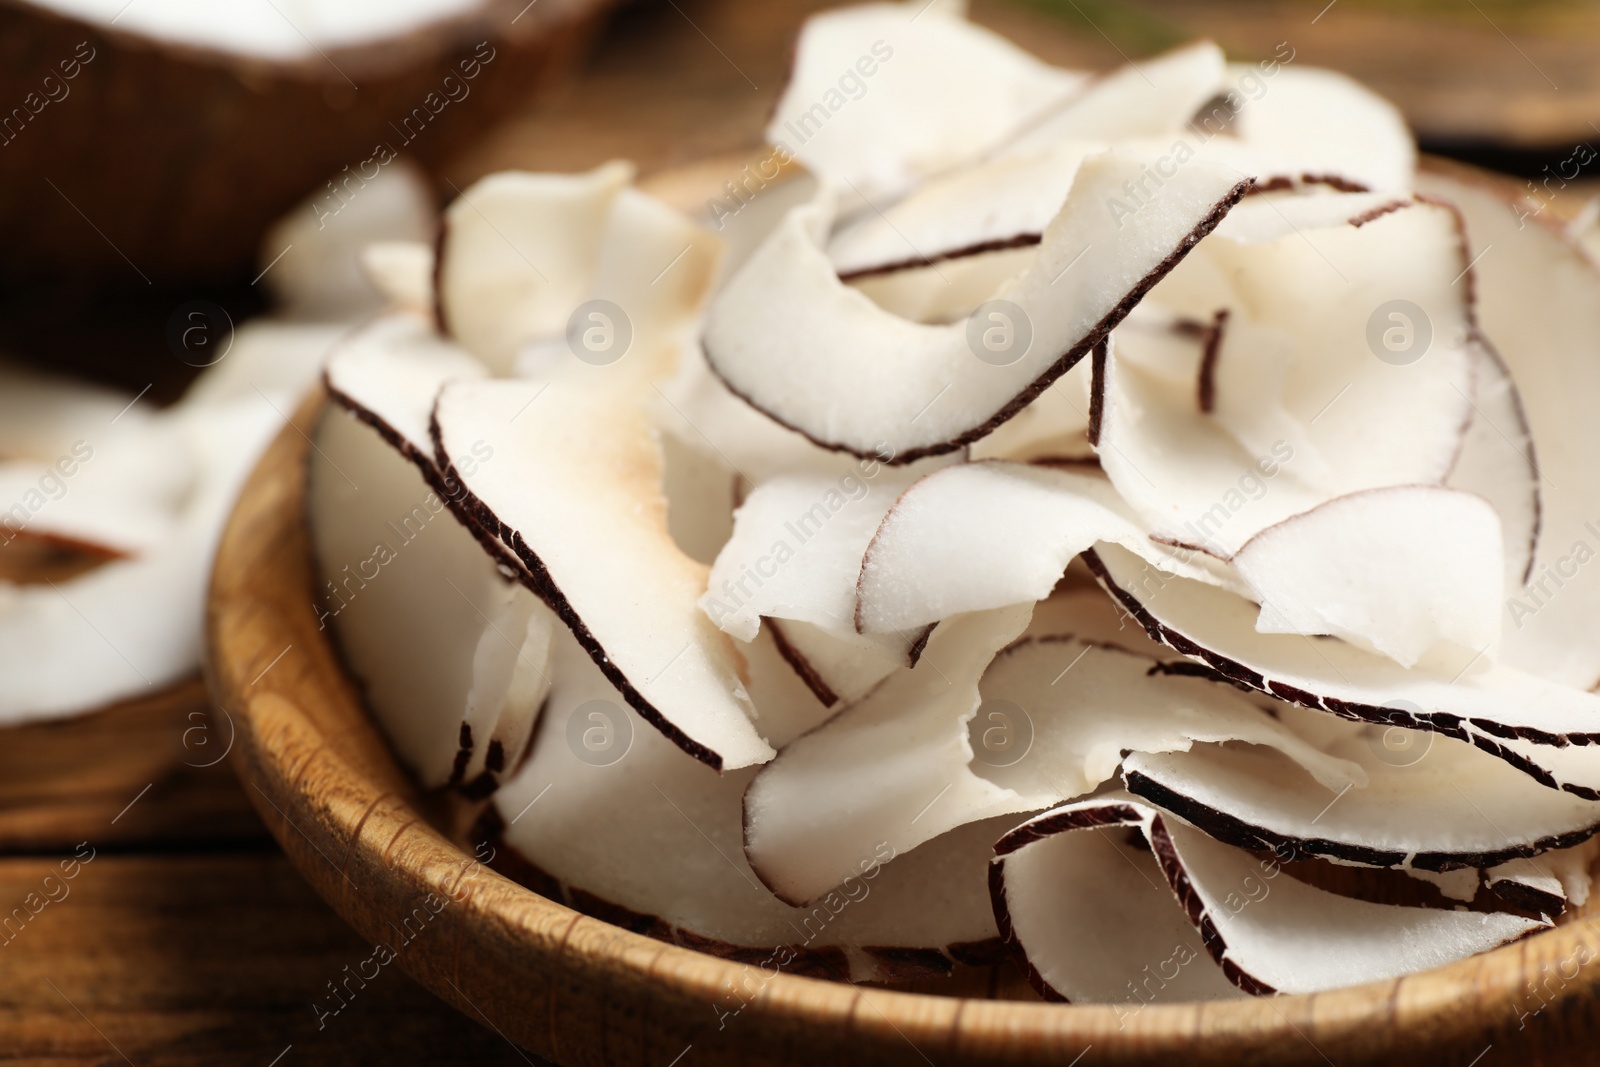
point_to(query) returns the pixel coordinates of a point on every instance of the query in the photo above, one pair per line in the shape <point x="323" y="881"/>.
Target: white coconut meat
<point x="87" y="466"/>
<point x="312" y="259"/>
<point x="1404" y="571"/>
<point x="1151" y="98"/>
<point x="1462" y="808"/>
<point x="1054" y="427"/>
<point x="1546" y="884"/>
<point x="590" y="526"/>
<point x="390" y="371"/>
<point x="1156" y="107"/>
<point x="1497" y="462"/>
<point x="701" y="496"/>
<point x="839" y="666"/>
<point x="697" y="410"/>
<point x="1517" y="716"/>
<point x="1091" y="916"/>
<point x="796" y="550"/>
<point x="658" y="267"/>
<point x="1269" y="932"/>
<point x="1024" y="523"/>
<point x="1188" y="480"/>
<point x="401" y="272"/>
<point x="631" y="274"/>
<point x="1053" y="719"/>
<point x="451" y="655"/>
<point x="792" y="339"/>
<point x="620" y="823"/>
<point x="1312" y="398"/>
<point x="942" y="92"/>
<point x="1336" y="130"/>
<point x="1002" y="203"/>
<point x="947" y="291"/>
<point x="451" y="651"/>
<point x="133" y="625"/>
<point x="517" y="255"/>
<point x="264" y="29"/>
<point x="1537" y="306"/>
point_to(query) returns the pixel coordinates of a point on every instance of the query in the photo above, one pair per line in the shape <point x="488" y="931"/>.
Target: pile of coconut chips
<point x="1138" y="523"/>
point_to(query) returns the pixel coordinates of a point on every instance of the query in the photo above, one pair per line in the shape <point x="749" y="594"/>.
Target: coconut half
<point x="794" y="341"/>
<point x="133" y="625"/>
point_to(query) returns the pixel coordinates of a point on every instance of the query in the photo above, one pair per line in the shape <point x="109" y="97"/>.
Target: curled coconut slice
<point x="1335" y="129"/>
<point x="1537" y="305"/>
<point x="671" y="866"/>
<point x="1268" y="932"/>
<point x="839" y="666"/>
<point x="388" y="374"/>
<point x="987" y="535"/>
<point x="402" y="273"/>
<point x="531" y="265"/>
<point x="1462" y="808"/>
<point x="1152" y="98"/>
<point x="452" y="653"/>
<point x="899" y="765"/>
<point x="796" y="550"/>
<point x="797" y="343"/>
<point x="1339" y="415"/>
<point x="1546" y="884"/>
<point x="516" y="254"/>
<point x="589" y="524"/>
<point x="1403" y="570"/>
<point x="943" y="92"/>
<point x="1497" y="462"/>
<point x="1542" y="728"/>
<point x="947" y="291"/>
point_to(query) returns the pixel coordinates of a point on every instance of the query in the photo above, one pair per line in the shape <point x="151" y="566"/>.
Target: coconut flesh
<point x="262" y="28"/>
<point x="1083" y="517"/>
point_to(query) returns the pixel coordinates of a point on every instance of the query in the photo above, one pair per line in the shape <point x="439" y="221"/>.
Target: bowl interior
<point x="405" y="870"/>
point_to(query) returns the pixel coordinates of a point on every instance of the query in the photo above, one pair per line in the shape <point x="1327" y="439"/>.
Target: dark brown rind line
<point x="1065" y="362"/>
<point x="1232" y="830"/>
<point x="801" y="665"/>
<point x="1211" y="348"/>
<point x="998" y="244"/>
<point x="536" y="577"/>
<point x="1481" y="734"/>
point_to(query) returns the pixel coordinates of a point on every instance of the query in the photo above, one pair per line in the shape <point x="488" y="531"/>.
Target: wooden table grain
<point x="182" y="935"/>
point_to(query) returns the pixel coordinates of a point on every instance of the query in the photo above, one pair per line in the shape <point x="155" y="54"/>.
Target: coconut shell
<point x="158" y="164"/>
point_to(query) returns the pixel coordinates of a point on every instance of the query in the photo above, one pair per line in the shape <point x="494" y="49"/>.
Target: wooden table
<point x="188" y="939"/>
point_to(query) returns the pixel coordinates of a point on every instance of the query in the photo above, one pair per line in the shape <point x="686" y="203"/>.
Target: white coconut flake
<point x="793" y="340"/>
<point x="1053" y="718"/>
<point x="1403" y="571"/>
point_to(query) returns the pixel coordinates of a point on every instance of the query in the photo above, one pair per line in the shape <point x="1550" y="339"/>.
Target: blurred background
<point x="152" y="178"/>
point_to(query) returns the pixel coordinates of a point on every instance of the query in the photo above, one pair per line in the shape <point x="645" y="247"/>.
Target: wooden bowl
<point x="400" y="868"/>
